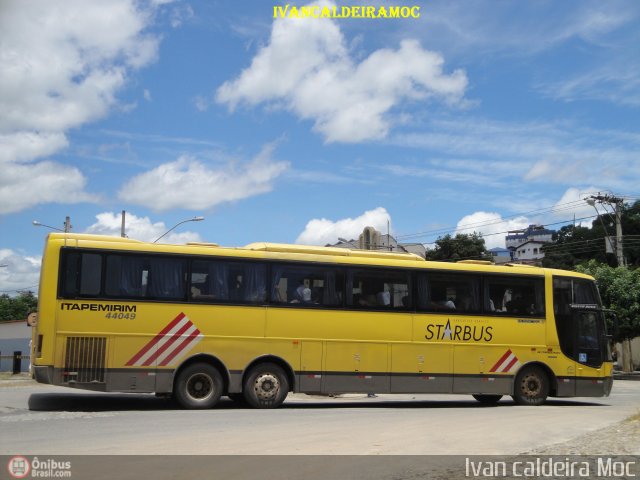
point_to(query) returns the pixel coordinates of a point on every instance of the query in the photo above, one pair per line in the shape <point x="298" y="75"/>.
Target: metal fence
<point x="13" y="362"/>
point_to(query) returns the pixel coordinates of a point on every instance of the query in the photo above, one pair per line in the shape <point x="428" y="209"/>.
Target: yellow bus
<point x="200" y="321"/>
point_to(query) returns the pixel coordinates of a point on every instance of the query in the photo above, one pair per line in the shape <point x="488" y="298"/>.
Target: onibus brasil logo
<point x="21" y="467"/>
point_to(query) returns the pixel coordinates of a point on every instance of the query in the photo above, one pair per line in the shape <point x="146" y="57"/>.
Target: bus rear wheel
<point x="531" y="386"/>
<point x="266" y="386"/>
<point x="487" y="399"/>
<point x="198" y="386"/>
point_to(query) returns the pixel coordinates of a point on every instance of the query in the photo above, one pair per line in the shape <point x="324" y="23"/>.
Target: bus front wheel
<point x="198" y="386"/>
<point x="266" y="386"/>
<point x="531" y="386"/>
<point x="487" y="399"/>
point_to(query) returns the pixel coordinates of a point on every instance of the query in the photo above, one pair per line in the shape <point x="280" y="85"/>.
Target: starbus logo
<point x="19" y="467"/>
<point x="459" y="333"/>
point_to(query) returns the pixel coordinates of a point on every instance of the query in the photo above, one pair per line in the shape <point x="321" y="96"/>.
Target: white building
<point x="526" y="245"/>
<point x="529" y="251"/>
<point x="532" y="232"/>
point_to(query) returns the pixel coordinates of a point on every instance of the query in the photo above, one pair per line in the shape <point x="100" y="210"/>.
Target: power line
<point x="553" y="209"/>
<point x="19" y="289"/>
<point x="563" y="207"/>
<point x="483" y="235"/>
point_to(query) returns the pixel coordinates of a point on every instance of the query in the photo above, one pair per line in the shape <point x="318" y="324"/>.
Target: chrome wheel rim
<point x="266" y="386"/>
<point x="531" y="386"/>
<point x="200" y="386"/>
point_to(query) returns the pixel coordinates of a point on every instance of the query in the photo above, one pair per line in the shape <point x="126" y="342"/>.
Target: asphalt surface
<point x="41" y="419"/>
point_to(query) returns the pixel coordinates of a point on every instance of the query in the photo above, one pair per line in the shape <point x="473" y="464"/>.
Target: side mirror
<point x="32" y="319"/>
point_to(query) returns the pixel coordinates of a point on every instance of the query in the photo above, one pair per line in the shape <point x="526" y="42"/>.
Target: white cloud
<point x="139" y="228"/>
<point x="191" y="184"/>
<point x="492" y="226"/>
<point x="525" y="29"/>
<point x="22" y="272"/>
<point x="62" y="65"/>
<point x="321" y="231"/>
<point x="617" y="82"/>
<point x="572" y="203"/>
<point x="551" y="153"/>
<point x="202" y="103"/>
<point x="25" y="146"/>
<point x="307" y="69"/>
<point x="23" y="186"/>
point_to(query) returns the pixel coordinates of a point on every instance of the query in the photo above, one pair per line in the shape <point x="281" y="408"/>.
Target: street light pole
<point x="194" y="219"/>
<point x="38" y="224"/>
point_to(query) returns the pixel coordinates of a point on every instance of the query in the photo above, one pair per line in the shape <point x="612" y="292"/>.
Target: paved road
<point x="45" y="420"/>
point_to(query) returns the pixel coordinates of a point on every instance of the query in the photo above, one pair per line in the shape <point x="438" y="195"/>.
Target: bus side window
<point x="306" y="286"/>
<point x="220" y="281"/>
<point x="443" y="291"/>
<point x="126" y="277"/>
<point x="209" y="281"/>
<point x="82" y="274"/>
<point x="514" y="296"/>
<point x="166" y="278"/>
<point x="90" y="274"/>
<point x="379" y="289"/>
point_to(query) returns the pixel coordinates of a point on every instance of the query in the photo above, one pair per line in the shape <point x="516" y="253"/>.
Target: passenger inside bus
<point x="302" y="294"/>
<point x="439" y="300"/>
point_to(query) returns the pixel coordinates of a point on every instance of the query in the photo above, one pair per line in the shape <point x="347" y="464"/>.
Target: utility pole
<point x="122" y="233"/>
<point x="67" y="224"/>
<point x="619" y="253"/>
<point x="617" y="204"/>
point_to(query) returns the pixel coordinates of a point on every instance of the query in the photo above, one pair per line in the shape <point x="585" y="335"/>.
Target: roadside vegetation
<point x="18" y="307"/>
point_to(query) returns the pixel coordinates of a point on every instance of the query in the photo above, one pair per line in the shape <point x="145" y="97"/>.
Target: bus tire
<point x="266" y="386"/>
<point x="198" y="386"/>
<point x="487" y="399"/>
<point x="531" y="386"/>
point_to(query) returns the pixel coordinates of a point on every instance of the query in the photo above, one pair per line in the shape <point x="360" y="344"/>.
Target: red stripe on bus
<point x="156" y="339"/>
<point x="181" y="347"/>
<point x="170" y="342"/>
<point x="499" y="362"/>
<point x="511" y="364"/>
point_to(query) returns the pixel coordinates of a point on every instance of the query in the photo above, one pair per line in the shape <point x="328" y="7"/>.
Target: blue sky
<point x="484" y="115"/>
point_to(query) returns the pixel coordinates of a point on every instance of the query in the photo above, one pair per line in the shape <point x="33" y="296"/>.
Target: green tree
<point x="18" y="307"/>
<point x="620" y="291"/>
<point x="573" y="245"/>
<point x="631" y="234"/>
<point x="461" y="247"/>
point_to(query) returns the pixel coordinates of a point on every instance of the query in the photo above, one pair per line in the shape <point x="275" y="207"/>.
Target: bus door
<point x="591" y="348"/>
<point x="581" y="334"/>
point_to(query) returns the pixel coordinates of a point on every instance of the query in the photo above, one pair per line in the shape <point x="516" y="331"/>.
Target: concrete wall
<point x="635" y="353"/>
<point x="14" y="337"/>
